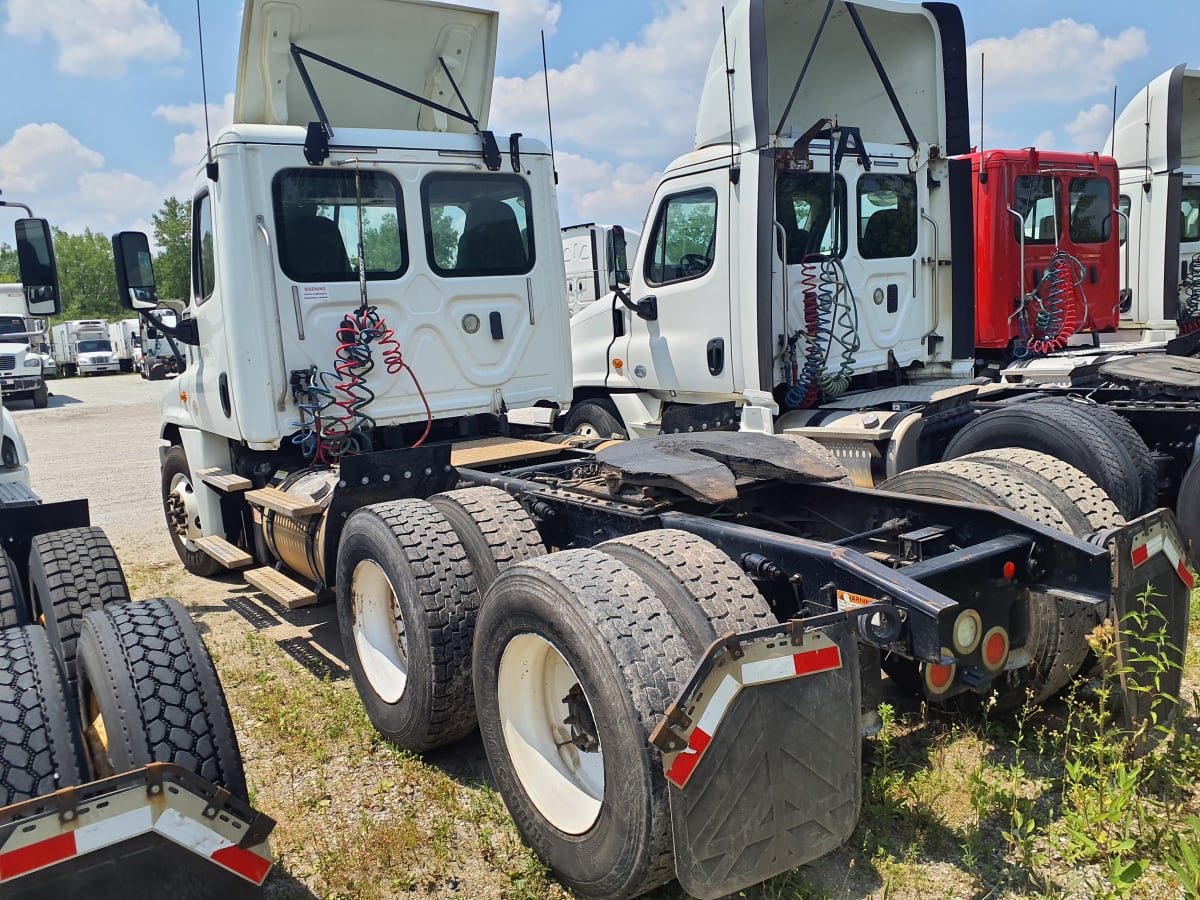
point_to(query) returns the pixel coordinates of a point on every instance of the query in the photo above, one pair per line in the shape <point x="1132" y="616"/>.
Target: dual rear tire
<point x="572" y="659"/>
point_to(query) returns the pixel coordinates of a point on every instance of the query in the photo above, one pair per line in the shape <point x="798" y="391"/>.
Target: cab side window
<point x="478" y="225"/>
<point x="204" y="261"/>
<point x="1038" y="201"/>
<point x="318" y="215"/>
<point x="811" y="210"/>
<point x="683" y="242"/>
<point x="1091" y="210"/>
<point x="887" y="216"/>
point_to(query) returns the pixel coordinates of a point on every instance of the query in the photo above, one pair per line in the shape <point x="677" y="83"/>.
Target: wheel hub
<point x="177" y="516"/>
<point x="581" y="721"/>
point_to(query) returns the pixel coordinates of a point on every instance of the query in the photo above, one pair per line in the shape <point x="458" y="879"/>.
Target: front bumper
<point x="10" y="383"/>
<point x="96" y="368"/>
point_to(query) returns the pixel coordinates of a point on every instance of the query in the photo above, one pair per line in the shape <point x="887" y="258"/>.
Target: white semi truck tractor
<point x="22" y="368"/>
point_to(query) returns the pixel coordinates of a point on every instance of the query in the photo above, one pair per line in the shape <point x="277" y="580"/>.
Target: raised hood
<point x="395" y="41"/>
<point x="920" y="49"/>
<point x="1159" y="129"/>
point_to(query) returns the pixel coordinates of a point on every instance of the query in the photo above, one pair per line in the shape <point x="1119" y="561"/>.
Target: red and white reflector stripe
<point x="112" y="830"/>
<point x="765" y="671"/>
<point x="1157" y="540"/>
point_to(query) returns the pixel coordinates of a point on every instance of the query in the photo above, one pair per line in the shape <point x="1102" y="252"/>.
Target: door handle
<point x="716" y="356"/>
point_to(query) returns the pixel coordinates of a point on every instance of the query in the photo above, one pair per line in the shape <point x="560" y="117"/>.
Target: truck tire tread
<point x="704" y="590"/>
<point x="1118" y="427"/>
<point x="1088" y="498"/>
<point x="439" y="608"/>
<point x="40" y="749"/>
<point x="494" y="528"/>
<point x="72" y="572"/>
<point x="1064" y="433"/>
<point x="152" y="678"/>
<point x="13" y="609"/>
<point x="613" y="617"/>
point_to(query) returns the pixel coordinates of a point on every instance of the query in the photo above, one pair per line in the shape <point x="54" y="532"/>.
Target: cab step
<point x="291" y="594"/>
<point x="283" y="503"/>
<point x="227" y="554"/>
<point x="223" y="481"/>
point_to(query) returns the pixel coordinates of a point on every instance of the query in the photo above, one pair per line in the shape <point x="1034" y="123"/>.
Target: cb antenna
<point x="734" y="171"/>
<point x="549" y="118"/>
<point x="210" y="167"/>
<point x="982" y="57"/>
<point x="1114" y="128"/>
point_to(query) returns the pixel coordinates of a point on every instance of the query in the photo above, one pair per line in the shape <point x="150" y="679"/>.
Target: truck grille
<point x="8" y="362"/>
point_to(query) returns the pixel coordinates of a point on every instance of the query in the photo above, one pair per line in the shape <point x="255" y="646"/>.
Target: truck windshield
<point x="12" y="325"/>
<point x="95" y="347"/>
<point x="1189" y="215"/>
<point x="1091" y="210"/>
<point x="812" y="212"/>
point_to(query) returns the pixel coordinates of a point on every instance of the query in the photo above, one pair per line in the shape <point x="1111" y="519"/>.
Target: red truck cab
<point x="1047" y="254"/>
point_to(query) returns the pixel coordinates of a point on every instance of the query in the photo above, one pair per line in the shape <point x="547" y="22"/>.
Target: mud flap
<point x="765" y="774"/>
<point x="1152" y="590"/>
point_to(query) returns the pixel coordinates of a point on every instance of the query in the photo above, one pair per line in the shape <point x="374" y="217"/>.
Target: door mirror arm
<point x="185" y="331"/>
<point x="646" y="308"/>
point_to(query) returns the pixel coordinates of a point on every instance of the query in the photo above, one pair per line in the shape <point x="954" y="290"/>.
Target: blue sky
<point x="102" y="114"/>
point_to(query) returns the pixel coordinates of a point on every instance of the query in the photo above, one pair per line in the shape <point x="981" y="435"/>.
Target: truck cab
<point x="22" y="376"/>
<point x="1156" y="142"/>
<point x="422" y="248"/>
<point x="805" y="243"/>
<point x="1047" y="257"/>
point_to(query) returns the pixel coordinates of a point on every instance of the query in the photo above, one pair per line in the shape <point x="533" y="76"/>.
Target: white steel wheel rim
<point x="181" y="488"/>
<point x="378" y="631"/>
<point x="564" y="783"/>
<point x="586" y="429"/>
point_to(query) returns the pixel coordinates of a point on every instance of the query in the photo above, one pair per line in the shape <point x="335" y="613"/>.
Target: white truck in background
<point x="595" y="258"/>
<point x="22" y="375"/>
<point x="1156" y="142"/>
<point x="126" y="339"/>
<point x="83" y="347"/>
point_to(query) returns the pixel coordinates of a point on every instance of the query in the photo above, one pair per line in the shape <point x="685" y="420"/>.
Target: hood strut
<point x="316" y="145"/>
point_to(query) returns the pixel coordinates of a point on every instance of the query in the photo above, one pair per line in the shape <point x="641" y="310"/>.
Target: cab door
<point x="682" y="343"/>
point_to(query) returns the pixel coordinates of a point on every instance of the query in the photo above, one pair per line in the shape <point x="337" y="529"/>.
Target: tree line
<point x="85" y="264"/>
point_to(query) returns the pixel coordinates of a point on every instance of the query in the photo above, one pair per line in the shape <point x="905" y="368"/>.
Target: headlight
<point x="32" y="362"/>
<point x="8" y="454"/>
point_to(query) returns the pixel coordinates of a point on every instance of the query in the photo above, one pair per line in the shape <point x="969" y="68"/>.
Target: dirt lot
<point x="951" y="808"/>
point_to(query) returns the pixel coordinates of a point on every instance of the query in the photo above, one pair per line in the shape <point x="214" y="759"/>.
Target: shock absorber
<point x="1058" y="314"/>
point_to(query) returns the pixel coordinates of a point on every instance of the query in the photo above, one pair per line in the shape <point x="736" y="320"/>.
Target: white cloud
<point x="593" y="191"/>
<point x="191" y="144"/>
<point x="66" y="182"/>
<point x="97" y="38"/>
<point x="635" y="100"/>
<point x="1047" y="140"/>
<point x="1089" y="129"/>
<point x="1065" y="61"/>
<point x="522" y="21"/>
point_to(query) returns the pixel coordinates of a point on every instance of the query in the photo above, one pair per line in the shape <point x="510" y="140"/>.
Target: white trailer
<point x="22" y="373"/>
<point x="83" y="347"/>
<point x="595" y="258"/>
<point x="126" y="338"/>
